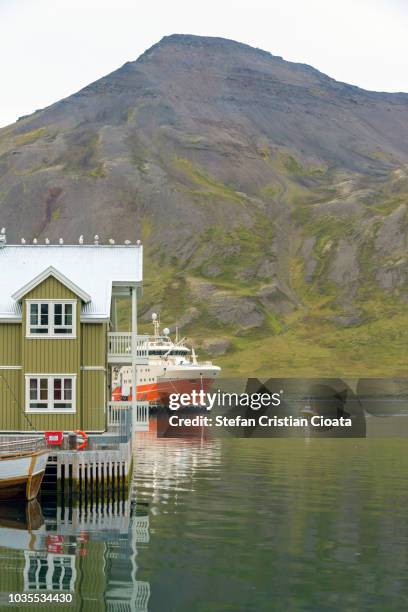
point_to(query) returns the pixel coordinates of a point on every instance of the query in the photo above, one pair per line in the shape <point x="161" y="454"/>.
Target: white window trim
<point x="51" y="334"/>
<point x="50" y="400"/>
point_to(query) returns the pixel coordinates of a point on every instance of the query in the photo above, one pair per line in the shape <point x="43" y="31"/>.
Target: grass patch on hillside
<point x="237" y="251"/>
<point x="316" y="348"/>
<point x="307" y="342"/>
<point x="288" y="163"/>
<point x="82" y="154"/>
<point x="386" y="205"/>
<point x="208" y="184"/>
<point x="30" y="137"/>
<point x="98" y="171"/>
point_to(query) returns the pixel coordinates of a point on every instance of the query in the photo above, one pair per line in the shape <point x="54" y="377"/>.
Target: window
<point x="63" y="318"/>
<point x="39" y="318"/>
<point x="51" y="319"/>
<point x="50" y="392"/>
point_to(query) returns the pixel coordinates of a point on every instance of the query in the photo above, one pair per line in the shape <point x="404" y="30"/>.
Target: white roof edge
<point x="51" y="271"/>
<point x="80" y="246"/>
<point x="126" y="283"/>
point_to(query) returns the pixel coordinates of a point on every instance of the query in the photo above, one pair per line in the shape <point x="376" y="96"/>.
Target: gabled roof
<point x="51" y="271"/>
<point x="90" y="271"/>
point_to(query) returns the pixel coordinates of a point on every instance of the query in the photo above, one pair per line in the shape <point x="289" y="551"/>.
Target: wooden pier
<point x="104" y="467"/>
<point x="95" y="472"/>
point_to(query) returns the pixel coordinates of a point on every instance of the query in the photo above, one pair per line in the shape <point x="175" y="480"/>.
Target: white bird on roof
<point x="111" y="241"/>
<point x="96" y="239"/>
<point x="81" y="239"/>
<point x="138" y="242"/>
<point x="61" y="241"/>
<point x="3" y="230"/>
<point x="23" y="241"/>
<point x="47" y="241"/>
<point x="128" y="242"/>
<point x="35" y="241"/>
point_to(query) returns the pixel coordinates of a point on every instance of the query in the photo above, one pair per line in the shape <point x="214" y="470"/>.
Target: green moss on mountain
<point x="265" y="220"/>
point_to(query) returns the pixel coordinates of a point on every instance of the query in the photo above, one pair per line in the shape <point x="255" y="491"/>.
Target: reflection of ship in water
<point x="171" y="463"/>
<point x="90" y="553"/>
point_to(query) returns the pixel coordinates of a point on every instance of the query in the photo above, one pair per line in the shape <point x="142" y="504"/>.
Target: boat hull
<point x="21" y="475"/>
<point x="166" y="378"/>
<point x="168" y="386"/>
<point x="174" y="382"/>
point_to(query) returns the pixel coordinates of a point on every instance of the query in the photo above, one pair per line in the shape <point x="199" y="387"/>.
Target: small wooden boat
<point x="22" y="467"/>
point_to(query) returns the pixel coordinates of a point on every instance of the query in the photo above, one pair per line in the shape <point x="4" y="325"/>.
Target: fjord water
<point x="301" y="524"/>
<point x="233" y="524"/>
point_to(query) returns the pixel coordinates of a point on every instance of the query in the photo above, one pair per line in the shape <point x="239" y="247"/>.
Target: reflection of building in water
<point x="89" y="553"/>
<point x="123" y="591"/>
<point x="44" y="571"/>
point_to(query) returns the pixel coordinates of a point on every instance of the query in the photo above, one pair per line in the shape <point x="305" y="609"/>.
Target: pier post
<point x="134" y="352"/>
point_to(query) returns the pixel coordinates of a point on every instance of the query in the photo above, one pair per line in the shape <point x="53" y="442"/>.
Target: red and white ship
<point x="173" y="368"/>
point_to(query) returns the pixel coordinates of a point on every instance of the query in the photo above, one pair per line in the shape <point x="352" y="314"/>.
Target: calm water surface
<point x="228" y="525"/>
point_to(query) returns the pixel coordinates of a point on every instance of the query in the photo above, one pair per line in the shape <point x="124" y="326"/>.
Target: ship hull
<point x="172" y="379"/>
<point x="179" y="386"/>
<point x="169" y="371"/>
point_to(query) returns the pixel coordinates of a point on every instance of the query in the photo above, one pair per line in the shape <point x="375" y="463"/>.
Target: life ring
<point x="84" y="442"/>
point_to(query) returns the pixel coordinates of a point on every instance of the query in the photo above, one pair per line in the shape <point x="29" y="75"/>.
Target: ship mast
<point x="156" y="324"/>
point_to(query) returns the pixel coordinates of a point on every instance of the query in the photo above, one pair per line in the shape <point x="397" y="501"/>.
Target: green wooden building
<point x="58" y="334"/>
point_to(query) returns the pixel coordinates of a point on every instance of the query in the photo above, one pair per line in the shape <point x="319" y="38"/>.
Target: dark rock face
<point x="231" y="310"/>
<point x="261" y="175"/>
<point x="216" y="346"/>
<point x="348" y="320"/>
<point x="273" y="298"/>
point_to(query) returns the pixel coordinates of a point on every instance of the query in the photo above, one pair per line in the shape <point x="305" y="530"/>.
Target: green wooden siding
<point x="94" y="347"/>
<point x="10" y="344"/>
<point x="11" y="401"/>
<point x="54" y="356"/>
<point x="93" y="344"/>
<point x="51" y="356"/>
<point x="51" y="289"/>
<point x="94" y="400"/>
<point x="53" y="422"/>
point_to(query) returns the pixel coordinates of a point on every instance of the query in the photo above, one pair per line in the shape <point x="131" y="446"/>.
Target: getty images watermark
<point x="208" y="400"/>
<point x="285" y="407"/>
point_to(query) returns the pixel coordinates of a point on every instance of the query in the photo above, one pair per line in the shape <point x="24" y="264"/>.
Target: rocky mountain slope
<point x="271" y="200"/>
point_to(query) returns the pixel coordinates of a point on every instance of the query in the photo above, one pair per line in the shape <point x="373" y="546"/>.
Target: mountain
<point x="271" y="200"/>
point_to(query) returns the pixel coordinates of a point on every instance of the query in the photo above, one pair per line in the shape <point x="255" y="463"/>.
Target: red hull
<point x="159" y="392"/>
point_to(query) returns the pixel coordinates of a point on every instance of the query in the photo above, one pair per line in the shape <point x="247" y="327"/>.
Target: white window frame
<point x="51" y="407"/>
<point x="52" y="334"/>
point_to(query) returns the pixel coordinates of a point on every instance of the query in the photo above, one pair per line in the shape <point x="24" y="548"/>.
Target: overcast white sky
<point x="51" y="48"/>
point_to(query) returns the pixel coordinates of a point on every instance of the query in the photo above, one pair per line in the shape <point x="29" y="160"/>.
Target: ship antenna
<point x="156" y="324"/>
